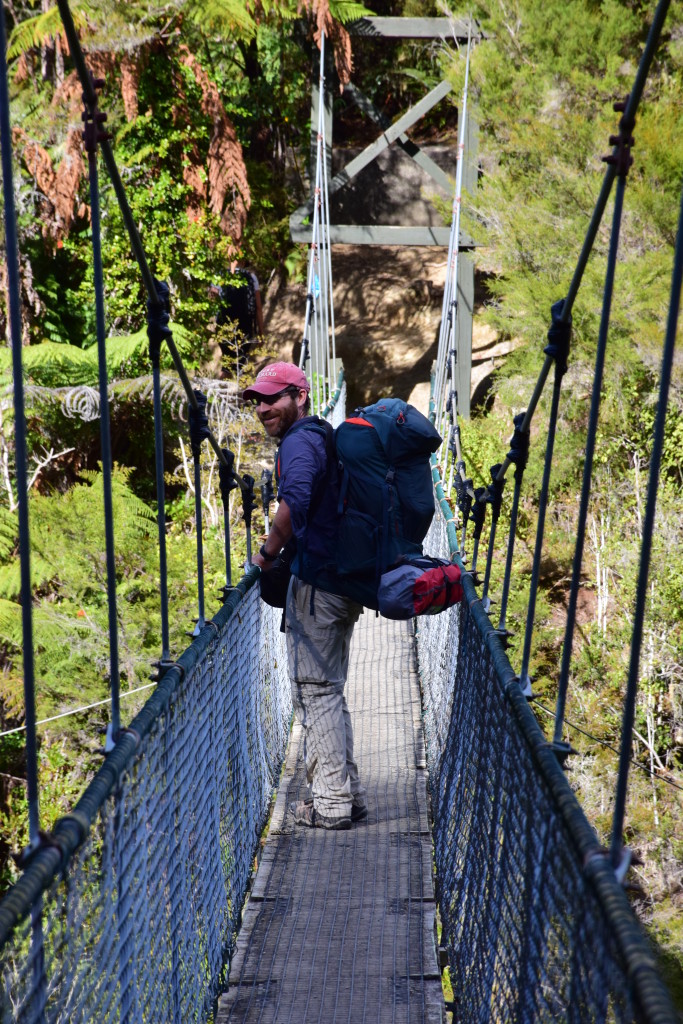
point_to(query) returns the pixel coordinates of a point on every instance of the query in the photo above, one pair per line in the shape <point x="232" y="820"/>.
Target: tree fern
<point x="41" y="27"/>
<point x="54" y="364"/>
<point x="225" y="16"/>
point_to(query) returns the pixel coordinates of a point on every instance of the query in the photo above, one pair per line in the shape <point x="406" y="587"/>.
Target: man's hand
<point x="264" y="564"/>
<point x="280" y="533"/>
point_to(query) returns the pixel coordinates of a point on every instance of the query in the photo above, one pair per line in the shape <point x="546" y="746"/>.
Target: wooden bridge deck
<point x="340" y="926"/>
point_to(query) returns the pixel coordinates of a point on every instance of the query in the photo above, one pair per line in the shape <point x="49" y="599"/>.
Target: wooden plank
<point x="380" y="234"/>
<point x="412" y="28"/>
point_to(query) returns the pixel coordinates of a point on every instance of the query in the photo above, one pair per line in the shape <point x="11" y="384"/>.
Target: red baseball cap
<point x="276" y="377"/>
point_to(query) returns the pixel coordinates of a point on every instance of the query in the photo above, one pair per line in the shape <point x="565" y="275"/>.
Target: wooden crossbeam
<point x="407" y="145"/>
<point x="372" y="151"/>
<point x="413" y="28"/>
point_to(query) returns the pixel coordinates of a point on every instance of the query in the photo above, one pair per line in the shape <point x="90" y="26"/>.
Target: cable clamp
<point x="561" y="750"/>
<point x="525" y="685"/>
<point x="111" y="740"/>
<point x="559" y="337"/>
<point x="625" y="861"/>
<point x="199" y="423"/>
<point x="163" y="667"/>
<point x="627" y="857"/>
<point x="127" y="731"/>
<point x="504" y="635"/>
<point x="157" y="321"/>
<point x="93" y="118"/>
<point x="43" y="841"/>
<point x="620" y="157"/>
<point x="519" y="446"/>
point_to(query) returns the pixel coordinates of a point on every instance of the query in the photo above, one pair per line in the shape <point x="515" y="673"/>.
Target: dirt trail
<point x="387" y="306"/>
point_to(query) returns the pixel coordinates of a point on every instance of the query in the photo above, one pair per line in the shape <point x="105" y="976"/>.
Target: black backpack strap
<point x="320" y="426"/>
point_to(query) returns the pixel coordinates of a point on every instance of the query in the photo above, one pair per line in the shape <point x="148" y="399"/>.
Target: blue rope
<point x="478" y="517"/>
<point x="91" y="137"/>
<point x="227" y="483"/>
<point x="157" y="331"/>
<point x="494" y="498"/>
<point x="248" y="506"/>
<point x="519" y="456"/>
<point x="199" y="431"/>
<point x="646" y="547"/>
<point x="588" y="457"/>
<point x="557" y="349"/>
<point x="14" y="294"/>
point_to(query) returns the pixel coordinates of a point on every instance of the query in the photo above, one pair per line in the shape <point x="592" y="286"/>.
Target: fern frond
<point x="53" y="364"/>
<point x="348" y="10"/>
<point x="224" y="16"/>
<point x="8" y="532"/>
<point x="10" y="623"/>
<point x="34" y="32"/>
<point x="10" y="576"/>
<point x="53" y="629"/>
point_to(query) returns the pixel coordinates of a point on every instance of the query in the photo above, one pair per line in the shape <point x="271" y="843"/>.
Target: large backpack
<point x="238" y="303"/>
<point x="386" y="499"/>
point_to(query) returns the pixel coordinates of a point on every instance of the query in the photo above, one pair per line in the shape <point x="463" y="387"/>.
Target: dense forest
<point x="208" y="105"/>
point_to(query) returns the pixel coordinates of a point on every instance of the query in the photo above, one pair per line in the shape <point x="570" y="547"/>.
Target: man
<point x="318" y="622"/>
<point x="240" y="305"/>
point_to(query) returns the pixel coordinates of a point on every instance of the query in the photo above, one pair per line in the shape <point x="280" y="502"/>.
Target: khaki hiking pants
<point x="318" y="642"/>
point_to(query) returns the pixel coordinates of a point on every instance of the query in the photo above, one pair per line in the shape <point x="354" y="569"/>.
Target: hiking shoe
<point x="359" y="812"/>
<point x="305" y="814"/>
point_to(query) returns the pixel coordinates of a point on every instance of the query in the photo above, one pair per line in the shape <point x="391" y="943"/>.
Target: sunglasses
<point x="291" y="391"/>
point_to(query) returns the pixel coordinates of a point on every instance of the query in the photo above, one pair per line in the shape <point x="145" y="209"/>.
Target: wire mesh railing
<point x="139" y="889"/>
<point x="536" y="924"/>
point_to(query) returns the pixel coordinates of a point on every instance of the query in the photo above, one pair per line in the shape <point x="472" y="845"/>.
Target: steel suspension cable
<point x="323" y="249"/>
<point x="319" y="326"/>
<point x="328" y="254"/>
<point x="646" y="546"/>
<point x="448" y="353"/>
<point x="155" y="356"/>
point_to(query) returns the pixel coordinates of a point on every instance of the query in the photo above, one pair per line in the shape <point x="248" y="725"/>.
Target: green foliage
<point x="39" y="28"/>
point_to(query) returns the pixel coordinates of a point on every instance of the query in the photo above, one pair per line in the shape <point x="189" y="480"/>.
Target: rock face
<point x="387" y="307"/>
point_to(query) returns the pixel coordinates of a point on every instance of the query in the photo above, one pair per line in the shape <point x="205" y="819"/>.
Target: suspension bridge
<point x="133" y="907"/>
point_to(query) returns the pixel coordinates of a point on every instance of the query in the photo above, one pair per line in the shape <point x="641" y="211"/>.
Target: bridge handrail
<point x="651" y="996"/>
<point x="71" y="830"/>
